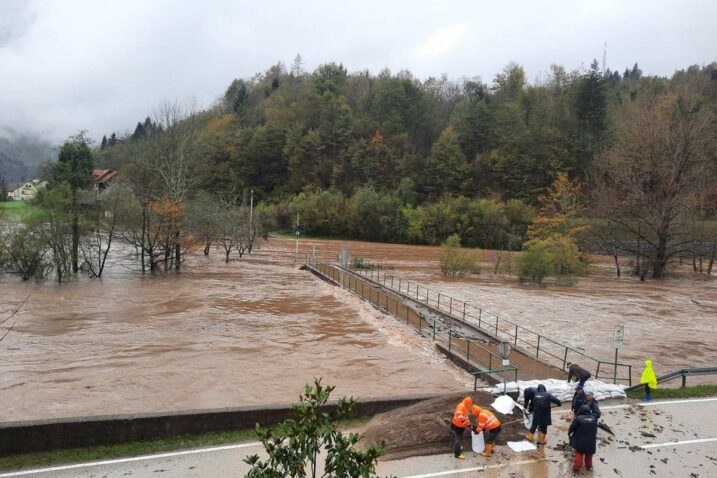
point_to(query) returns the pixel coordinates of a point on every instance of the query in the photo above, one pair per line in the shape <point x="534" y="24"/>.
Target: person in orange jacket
<point x="460" y="423"/>
<point x="488" y="422"/>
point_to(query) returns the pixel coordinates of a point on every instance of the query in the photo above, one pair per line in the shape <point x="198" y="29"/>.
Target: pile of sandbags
<point x="563" y="390"/>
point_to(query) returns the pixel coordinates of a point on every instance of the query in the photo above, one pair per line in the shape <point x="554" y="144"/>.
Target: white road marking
<point x="671" y="402"/>
<point x="128" y="460"/>
<point x="611" y="407"/>
<point x="675" y="443"/>
<point x="468" y="470"/>
<point x="443" y="473"/>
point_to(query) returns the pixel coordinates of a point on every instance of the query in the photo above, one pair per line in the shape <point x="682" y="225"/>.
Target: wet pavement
<point x="675" y="438"/>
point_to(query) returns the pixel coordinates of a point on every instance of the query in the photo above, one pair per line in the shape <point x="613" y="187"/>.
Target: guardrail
<point x="456" y="343"/>
<point x="524" y="339"/>
<point x="684" y="373"/>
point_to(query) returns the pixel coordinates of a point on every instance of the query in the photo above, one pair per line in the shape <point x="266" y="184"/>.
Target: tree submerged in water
<point x="293" y="449"/>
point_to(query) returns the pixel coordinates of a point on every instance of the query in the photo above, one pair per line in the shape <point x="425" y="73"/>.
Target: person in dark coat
<point x="583" y="437"/>
<point x="541" y="413"/>
<point x="592" y="404"/>
<point x="581" y="375"/>
<point x="578" y="400"/>
<point x="528" y="396"/>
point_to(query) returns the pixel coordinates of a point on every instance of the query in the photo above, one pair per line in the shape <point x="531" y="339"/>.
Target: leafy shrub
<point x="455" y="261"/>
<point x="556" y="255"/>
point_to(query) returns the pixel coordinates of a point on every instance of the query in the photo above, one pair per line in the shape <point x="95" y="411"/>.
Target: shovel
<point x="604" y="426"/>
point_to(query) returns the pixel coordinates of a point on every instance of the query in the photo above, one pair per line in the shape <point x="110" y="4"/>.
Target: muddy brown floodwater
<point x="673" y="322"/>
<point x="216" y="335"/>
<point x="254" y="331"/>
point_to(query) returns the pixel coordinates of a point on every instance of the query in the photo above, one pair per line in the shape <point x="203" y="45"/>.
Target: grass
<point x="687" y="392"/>
<point x="20" y="209"/>
<point x="144" y="447"/>
<point x="79" y="455"/>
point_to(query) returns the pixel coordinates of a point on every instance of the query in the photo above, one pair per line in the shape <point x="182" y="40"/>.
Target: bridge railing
<point x="528" y="341"/>
<point x="682" y="373"/>
<point x="468" y="349"/>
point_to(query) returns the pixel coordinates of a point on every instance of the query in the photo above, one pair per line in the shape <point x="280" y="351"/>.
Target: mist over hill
<point x="21" y="155"/>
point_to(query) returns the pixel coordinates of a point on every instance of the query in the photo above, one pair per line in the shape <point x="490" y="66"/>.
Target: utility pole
<point x="251" y="214"/>
<point x="296" y="252"/>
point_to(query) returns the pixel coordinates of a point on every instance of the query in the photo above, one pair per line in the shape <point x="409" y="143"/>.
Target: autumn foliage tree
<point x="553" y="245"/>
<point x="648" y="183"/>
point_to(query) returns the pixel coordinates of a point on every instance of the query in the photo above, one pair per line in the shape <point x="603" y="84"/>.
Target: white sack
<point x="477" y="442"/>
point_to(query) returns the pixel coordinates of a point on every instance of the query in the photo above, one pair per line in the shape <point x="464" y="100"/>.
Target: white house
<point x="26" y="191"/>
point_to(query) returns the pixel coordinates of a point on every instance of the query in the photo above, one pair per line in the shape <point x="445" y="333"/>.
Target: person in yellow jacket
<point x="460" y="423"/>
<point x="488" y="422"/>
<point x="648" y="378"/>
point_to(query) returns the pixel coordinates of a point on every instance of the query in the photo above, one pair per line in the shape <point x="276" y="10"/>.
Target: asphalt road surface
<point x="676" y="438"/>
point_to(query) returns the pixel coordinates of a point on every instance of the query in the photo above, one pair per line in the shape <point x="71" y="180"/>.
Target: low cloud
<point x="443" y="41"/>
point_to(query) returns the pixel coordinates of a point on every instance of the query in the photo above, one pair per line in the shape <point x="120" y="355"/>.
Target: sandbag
<point x="477" y="442"/>
<point x="527" y="420"/>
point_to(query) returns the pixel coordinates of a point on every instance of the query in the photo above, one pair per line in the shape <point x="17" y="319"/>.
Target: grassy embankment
<point x="687" y="392"/>
<point x="138" y="448"/>
<point x="19" y="209"/>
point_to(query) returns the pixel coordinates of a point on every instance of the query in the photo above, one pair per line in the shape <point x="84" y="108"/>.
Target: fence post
<point x="420" y="323"/>
<point x="515" y="344"/>
<point x="449" y="340"/>
<point x="496" y="326"/>
<point x="450" y="307"/>
<point x="427" y="289"/>
<point x="537" y="348"/>
<point x="399" y="285"/>
<point x="439" y="301"/>
<point x="406" y="313"/>
<point x="391" y="282"/>
<point x="434" y="330"/>
<point x="480" y="314"/>
<point x="629" y="370"/>
<point x="684" y="380"/>
<point x="565" y="358"/>
<point x="464" y="311"/>
<point x="597" y="372"/>
<point x="468" y="350"/>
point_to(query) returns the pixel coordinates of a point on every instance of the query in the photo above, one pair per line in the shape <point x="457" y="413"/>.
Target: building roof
<point x="104" y="176"/>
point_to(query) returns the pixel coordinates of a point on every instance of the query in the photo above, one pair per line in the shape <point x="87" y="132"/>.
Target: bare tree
<point x="25" y="251"/>
<point x="96" y="245"/>
<point x="10" y="316"/>
<point x="171" y="155"/>
<point x="645" y="183"/>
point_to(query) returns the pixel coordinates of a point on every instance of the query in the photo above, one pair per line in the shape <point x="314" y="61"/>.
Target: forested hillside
<point x="620" y="163"/>
<point x="283" y="131"/>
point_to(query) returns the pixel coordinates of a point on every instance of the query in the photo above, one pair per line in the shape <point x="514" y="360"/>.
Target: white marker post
<point x="618" y="341"/>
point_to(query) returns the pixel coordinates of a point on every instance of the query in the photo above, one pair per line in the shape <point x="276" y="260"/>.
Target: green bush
<point x="455" y="261"/>
<point x="555" y="255"/>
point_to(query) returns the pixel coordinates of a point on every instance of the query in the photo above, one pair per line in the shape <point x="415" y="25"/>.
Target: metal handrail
<point x="684" y="373"/>
<point x="329" y="271"/>
<point x="497" y="326"/>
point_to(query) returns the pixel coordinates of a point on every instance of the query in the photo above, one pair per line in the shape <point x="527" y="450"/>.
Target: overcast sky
<point x="102" y="65"/>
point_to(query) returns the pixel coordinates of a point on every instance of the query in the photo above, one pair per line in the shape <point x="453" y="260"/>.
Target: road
<point x="676" y="438"/>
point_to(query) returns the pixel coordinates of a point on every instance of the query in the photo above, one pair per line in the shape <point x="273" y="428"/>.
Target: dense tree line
<point x="389" y="157"/>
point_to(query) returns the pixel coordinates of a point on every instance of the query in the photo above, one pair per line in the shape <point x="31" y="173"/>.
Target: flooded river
<point x="254" y="331"/>
<point x="673" y="322"/>
<point x="217" y="335"/>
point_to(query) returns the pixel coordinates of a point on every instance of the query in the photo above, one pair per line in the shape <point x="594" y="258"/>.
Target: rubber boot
<point x="488" y="451"/>
<point x="529" y="437"/>
<point x="461" y="456"/>
<point x="543" y="440"/>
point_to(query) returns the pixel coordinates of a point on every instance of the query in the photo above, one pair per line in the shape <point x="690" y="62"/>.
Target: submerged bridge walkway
<point x="469" y="335"/>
